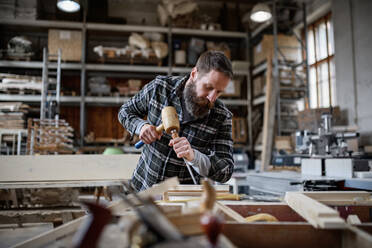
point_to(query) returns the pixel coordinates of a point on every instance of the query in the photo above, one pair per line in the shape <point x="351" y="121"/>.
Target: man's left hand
<point x="182" y="148"/>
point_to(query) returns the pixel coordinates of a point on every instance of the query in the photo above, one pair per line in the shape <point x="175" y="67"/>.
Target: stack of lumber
<point x="20" y="83"/>
<point x="49" y="136"/>
<point x="12" y="115"/>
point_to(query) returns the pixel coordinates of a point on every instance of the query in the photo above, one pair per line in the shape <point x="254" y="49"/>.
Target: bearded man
<point x="205" y="141"/>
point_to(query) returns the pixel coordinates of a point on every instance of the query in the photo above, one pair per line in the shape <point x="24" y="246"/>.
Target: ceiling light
<point x="68" y="5"/>
<point x="260" y="13"/>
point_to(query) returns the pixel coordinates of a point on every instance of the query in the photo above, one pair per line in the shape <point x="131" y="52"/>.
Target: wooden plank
<point x="67" y="167"/>
<point x="284" y="213"/>
<point x="314" y="212"/>
<point x="337" y="198"/>
<point x="269" y="117"/>
<point x="188" y="224"/>
<point x="353" y="219"/>
<point x="68" y="228"/>
<point x="156" y="190"/>
<point x="60" y="184"/>
<point x="185" y="187"/>
<point x="36" y="216"/>
<point x="229" y="212"/>
<point x="281" y="235"/>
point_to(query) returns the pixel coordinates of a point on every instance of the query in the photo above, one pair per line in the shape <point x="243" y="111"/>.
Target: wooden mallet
<point x="171" y="125"/>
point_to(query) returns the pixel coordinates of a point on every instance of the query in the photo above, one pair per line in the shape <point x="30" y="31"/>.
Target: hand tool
<point x="90" y="231"/>
<point x="151" y="216"/>
<point x="171" y="125"/>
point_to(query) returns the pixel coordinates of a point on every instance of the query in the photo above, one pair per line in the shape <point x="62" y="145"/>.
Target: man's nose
<point x="212" y="96"/>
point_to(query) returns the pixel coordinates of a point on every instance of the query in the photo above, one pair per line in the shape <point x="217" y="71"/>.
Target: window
<point x="322" y="80"/>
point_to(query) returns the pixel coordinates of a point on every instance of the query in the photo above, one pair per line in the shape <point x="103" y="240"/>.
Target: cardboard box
<point x="69" y="41"/>
<point x="284" y="143"/>
<point x="311" y="119"/>
<point x="233" y="89"/>
<point x="288" y="45"/>
<point x="259" y="85"/>
<point x="239" y="130"/>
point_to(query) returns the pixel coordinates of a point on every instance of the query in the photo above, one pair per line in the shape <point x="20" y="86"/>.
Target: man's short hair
<point x="214" y="60"/>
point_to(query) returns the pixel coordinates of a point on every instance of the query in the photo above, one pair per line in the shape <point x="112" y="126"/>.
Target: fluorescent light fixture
<point x="260" y="13"/>
<point x="68" y="5"/>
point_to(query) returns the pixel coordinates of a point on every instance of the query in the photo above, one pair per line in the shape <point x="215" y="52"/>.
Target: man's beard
<point x="196" y="106"/>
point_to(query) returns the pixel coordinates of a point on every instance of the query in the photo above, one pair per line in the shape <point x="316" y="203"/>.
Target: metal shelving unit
<point x="84" y="67"/>
<point x="277" y="63"/>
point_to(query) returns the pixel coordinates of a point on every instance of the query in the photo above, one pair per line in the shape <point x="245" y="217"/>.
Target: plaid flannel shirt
<point x="210" y="135"/>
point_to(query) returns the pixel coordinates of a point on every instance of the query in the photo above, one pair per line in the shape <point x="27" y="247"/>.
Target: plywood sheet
<point x="67" y="167"/>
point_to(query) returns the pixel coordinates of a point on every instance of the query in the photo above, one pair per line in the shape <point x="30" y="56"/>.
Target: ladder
<point x="50" y="93"/>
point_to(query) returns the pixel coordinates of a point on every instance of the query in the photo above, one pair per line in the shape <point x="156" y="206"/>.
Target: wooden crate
<point x="288" y="45"/>
<point x="69" y="41"/>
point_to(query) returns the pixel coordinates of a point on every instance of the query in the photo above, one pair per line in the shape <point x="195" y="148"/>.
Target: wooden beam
<point x="67" y="167"/>
<point x="316" y="213"/>
<point x="68" y="228"/>
<point x="269" y="117"/>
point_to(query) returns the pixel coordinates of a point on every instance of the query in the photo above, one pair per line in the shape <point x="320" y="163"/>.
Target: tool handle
<point x="139" y="144"/>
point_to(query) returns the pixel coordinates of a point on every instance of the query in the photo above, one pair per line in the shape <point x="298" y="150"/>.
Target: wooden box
<point x="288" y="45"/>
<point x="69" y="41"/>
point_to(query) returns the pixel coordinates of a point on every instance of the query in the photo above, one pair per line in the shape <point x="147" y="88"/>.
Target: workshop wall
<point x="353" y="59"/>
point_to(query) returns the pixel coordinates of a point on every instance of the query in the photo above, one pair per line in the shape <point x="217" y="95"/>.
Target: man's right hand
<point x="148" y="134"/>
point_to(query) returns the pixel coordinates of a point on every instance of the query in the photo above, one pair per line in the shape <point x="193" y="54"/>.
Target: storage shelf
<point x="125" y="28"/>
<point x="258" y="148"/>
<point x="259" y="100"/>
<point x="96" y="99"/>
<point x="260" y="68"/>
<point x="41" y="23"/>
<point x="36" y="98"/>
<point x="37" y="65"/>
<point x="127" y="68"/>
<point x="120" y="28"/>
<point x="187" y="31"/>
<point x="178" y="69"/>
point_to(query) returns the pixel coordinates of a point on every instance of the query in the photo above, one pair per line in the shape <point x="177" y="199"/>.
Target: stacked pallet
<point x="49" y="137"/>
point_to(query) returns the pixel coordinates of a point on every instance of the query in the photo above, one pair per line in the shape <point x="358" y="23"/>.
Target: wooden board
<point x="317" y="214"/>
<point x="269" y="117"/>
<point x="336" y="198"/>
<point x="281" y="235"/>
<point x="67" y="167"/>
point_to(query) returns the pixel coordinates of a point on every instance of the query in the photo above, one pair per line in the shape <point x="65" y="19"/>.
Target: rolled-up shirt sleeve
<point x="218" y="164"/>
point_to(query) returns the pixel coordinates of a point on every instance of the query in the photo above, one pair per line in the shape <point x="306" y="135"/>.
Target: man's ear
<point x="193" y="73"/>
